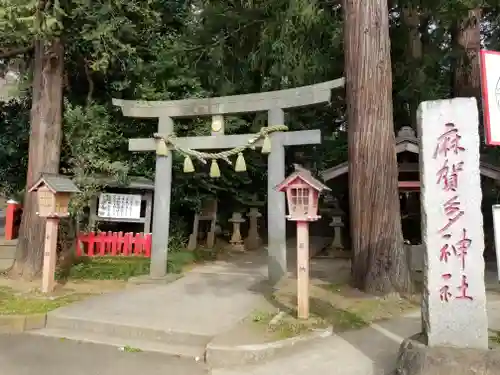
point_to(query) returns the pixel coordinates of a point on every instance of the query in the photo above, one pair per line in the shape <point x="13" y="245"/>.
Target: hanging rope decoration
<point x="164" y="143"/>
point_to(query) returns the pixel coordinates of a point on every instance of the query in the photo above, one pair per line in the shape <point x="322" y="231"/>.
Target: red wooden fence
<point x="113" y="243"/>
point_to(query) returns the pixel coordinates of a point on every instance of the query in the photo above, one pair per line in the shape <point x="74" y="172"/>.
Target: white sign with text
<point x="119" y="206"/>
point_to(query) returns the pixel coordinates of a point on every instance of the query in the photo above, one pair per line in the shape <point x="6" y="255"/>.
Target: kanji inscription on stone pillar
<point x="454" y="297"/>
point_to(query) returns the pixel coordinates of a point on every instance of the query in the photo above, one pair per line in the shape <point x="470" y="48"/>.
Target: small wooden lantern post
<point x="302" y="192"/>
<point x="53" y="193"/>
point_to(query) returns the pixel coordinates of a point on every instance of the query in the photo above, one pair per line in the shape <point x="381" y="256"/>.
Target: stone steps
<point x="7" y="253"/>
<point x="178" y="344"/>
<point x="196" y="353"/>
<point x="7" y="249"/>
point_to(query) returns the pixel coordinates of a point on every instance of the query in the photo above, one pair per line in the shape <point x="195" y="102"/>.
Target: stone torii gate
<point x="274" y="103"/>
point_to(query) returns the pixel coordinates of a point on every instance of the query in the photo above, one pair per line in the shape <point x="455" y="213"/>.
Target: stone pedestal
<point x="454" y="296"/>
<point x="337" y="225"/>
<point x="253" y="241"/>
<point x="416" y="358"/>
<point x="236" y="240"/>
<point x="207" y="213"/>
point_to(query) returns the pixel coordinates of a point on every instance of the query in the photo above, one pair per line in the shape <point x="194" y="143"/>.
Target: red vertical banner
<point x="490" y="87"/>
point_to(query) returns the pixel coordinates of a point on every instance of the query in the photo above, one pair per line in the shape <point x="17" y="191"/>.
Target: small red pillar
<point x="10" y="218"/>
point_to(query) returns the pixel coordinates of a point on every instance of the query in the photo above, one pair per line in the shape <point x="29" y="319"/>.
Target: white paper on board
<point x="490" y="77"/>
<point x="119" y="206"/>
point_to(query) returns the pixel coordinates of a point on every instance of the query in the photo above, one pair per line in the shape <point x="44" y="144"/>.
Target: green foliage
<point x="108" y="33"/>
<point x="14" y="117"/>
<point x="93" y="146"/>
<point x="177" y="49"/>
<point x="21" y="21"/>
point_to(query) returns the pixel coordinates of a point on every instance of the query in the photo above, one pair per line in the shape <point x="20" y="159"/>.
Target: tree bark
<point x="467" y="43"/>
<point x="44" y="151"/>
<point x="380" y="264"/>
<point x="411" y="19"/>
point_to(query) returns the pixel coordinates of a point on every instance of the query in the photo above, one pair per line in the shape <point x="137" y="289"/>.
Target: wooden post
<point x="50" y="255"/>
<point x="303" y="269"/>
<point x="93" y="213"/>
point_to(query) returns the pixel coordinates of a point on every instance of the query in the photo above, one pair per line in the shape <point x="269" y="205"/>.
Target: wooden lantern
<point x="302" y="193"/>
<point x="54" y="193"/>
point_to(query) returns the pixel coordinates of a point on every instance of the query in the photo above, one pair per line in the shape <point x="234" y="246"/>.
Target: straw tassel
<point x="214" y="169"/>
<point x="266" y="145"/>
<point x="188" y="165"/>
<point x="161" y="147"/>
<point x="240" y="163"/>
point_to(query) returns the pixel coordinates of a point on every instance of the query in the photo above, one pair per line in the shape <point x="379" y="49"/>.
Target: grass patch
<point x="125" y="267"/>
<point x="335" y="305"/>
<point x="105" y="268"/>
<point x="287" y="326"/>
<point x="494" y="338"/>
<point x="17" y="304"/>
<point x="131" y="349"/>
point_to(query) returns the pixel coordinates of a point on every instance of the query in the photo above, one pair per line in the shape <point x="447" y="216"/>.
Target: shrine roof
<point x="306" y="176"/>
<point x="56" y="183"/>
<point x="132" y="182"/>
<point x="407" y="141"/>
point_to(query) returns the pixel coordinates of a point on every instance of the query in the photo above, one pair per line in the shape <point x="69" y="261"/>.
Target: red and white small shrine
<point x="302" y="193"/>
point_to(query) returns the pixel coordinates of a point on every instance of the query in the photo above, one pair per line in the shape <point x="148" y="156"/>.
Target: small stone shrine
<point x="208" y="213"/>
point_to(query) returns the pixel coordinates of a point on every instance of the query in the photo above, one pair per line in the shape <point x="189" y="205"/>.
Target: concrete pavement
<point x="179" y="318"/>
<point x="203" y="295"/>
<point x="29" y="355"/>
<point x="368" y="351"/>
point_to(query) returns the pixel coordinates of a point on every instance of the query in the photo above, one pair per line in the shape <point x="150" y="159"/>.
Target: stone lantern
<point x="337" y="223"/>
<point x="236" y="240"/>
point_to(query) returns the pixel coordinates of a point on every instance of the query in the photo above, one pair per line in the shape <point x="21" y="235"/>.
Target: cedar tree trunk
<point x="44" y="151"/>
<point x="467" y="43"/>
<point x="380" y="263"/>
<point x="412" y="21"/>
